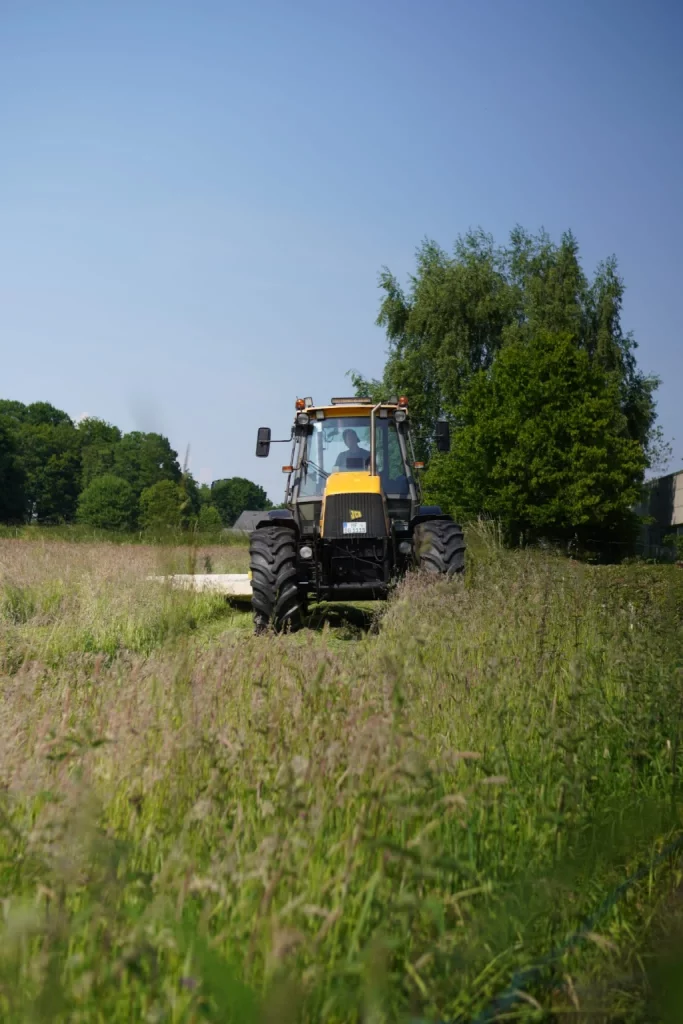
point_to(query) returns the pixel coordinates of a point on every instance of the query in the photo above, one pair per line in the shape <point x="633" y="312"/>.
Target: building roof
<point x="247" y="521"/>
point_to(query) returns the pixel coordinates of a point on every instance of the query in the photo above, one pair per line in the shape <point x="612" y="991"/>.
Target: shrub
<point x="675" y="541"/>
<point x="209" y="519"/>
<point x="160" y="506"/>
<point x="108" y="502"/>
<point x="541" y="446"/>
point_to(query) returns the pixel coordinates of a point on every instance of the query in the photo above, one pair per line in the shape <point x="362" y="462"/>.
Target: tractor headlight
<point x="400" y="415"/>
<point x="405" y="547"/>
<point x="305" y="552"/>
<point x="302" y="419"/>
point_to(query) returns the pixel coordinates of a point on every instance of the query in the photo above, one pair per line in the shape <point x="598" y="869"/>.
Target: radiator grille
<point x="354" y="508"/>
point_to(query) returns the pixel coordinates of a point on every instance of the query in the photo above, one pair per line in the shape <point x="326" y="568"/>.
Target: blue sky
<point x="196" y="198"/>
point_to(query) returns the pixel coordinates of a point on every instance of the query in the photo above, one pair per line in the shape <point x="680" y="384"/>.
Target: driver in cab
<point x="356" y="458"/>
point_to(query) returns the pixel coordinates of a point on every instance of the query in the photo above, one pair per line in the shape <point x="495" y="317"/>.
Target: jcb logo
<point x="354" y="514"/>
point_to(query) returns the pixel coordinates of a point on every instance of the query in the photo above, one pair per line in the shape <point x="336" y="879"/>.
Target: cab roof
<point x="347" y="406"/>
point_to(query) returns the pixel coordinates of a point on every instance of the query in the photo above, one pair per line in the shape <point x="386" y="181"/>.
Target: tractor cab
<point x="351" y="446"/>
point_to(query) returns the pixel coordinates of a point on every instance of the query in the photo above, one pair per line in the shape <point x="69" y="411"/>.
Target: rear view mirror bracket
<point x="264" y="441"/>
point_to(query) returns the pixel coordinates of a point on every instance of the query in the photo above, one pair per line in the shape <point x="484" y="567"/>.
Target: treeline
<point x="54" y="471"/>
<point x="552" y="422"/>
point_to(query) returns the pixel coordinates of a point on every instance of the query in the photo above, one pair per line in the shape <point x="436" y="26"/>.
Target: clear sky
<point x="196" y="198"/>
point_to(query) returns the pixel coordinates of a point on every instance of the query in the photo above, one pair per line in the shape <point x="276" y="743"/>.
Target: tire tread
<point x="441" y="547"/>
<point x="276" y="599"/>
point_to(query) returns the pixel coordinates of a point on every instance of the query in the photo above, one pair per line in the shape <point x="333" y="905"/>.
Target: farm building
<point x="663" y="501"/>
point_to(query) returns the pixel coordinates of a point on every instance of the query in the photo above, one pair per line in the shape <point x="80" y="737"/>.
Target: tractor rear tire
<point x="440" y="547"/>
<point x="276" y="599"/>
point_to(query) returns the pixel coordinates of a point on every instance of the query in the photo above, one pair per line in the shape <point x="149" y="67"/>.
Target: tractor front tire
<point x="440" y="547"/>
<point x="276" y="600"/>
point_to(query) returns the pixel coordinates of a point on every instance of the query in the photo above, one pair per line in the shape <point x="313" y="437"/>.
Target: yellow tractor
<point x="353" y="521"/>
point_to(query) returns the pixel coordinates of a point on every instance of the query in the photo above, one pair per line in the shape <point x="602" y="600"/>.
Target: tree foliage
<point x="12" y="410"/>
<point x="160" y="506"/>
<point x="190" y="500"/>
<point x="141" y="459"/>
<point x="38" y="414"/>
<point x="461" y="309"/>
<point x="108" y="503"/>
<point x="12" y="477"/>
<point x="49" y="459"/>
<point x="145" y="459"/>
<point x="234" y="495"/>
<point x="48" y="464"/>
<point x="209" y="519"/>
<point x="541" y="445"/>
<point x="98" y="440"/>
<point x="471" y="319"/>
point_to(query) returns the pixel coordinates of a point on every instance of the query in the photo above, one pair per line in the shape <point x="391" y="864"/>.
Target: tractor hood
<point x="353" y="507"/>
<point x="352" y="483"/>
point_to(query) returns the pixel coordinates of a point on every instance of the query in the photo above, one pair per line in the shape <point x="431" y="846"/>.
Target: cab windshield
<point x="342" y="445"/>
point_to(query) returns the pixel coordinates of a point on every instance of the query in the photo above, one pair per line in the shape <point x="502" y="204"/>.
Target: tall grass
<point x="334" y="826"/>
<point x="59" y="599"/>
<point x="81" y="533"/>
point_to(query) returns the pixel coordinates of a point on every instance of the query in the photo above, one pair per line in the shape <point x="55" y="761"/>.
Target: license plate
<point x="355" y="527"/>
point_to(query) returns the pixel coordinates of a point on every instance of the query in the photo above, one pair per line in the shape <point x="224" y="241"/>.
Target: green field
<point x="379" y="818"/>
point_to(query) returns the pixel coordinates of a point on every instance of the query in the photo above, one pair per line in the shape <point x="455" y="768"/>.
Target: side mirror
<point x="263" y="442"/>
<point x="443" y="436"/>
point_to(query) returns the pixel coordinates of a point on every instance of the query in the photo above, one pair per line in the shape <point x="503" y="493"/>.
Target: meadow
<point x="380" y="818"/>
